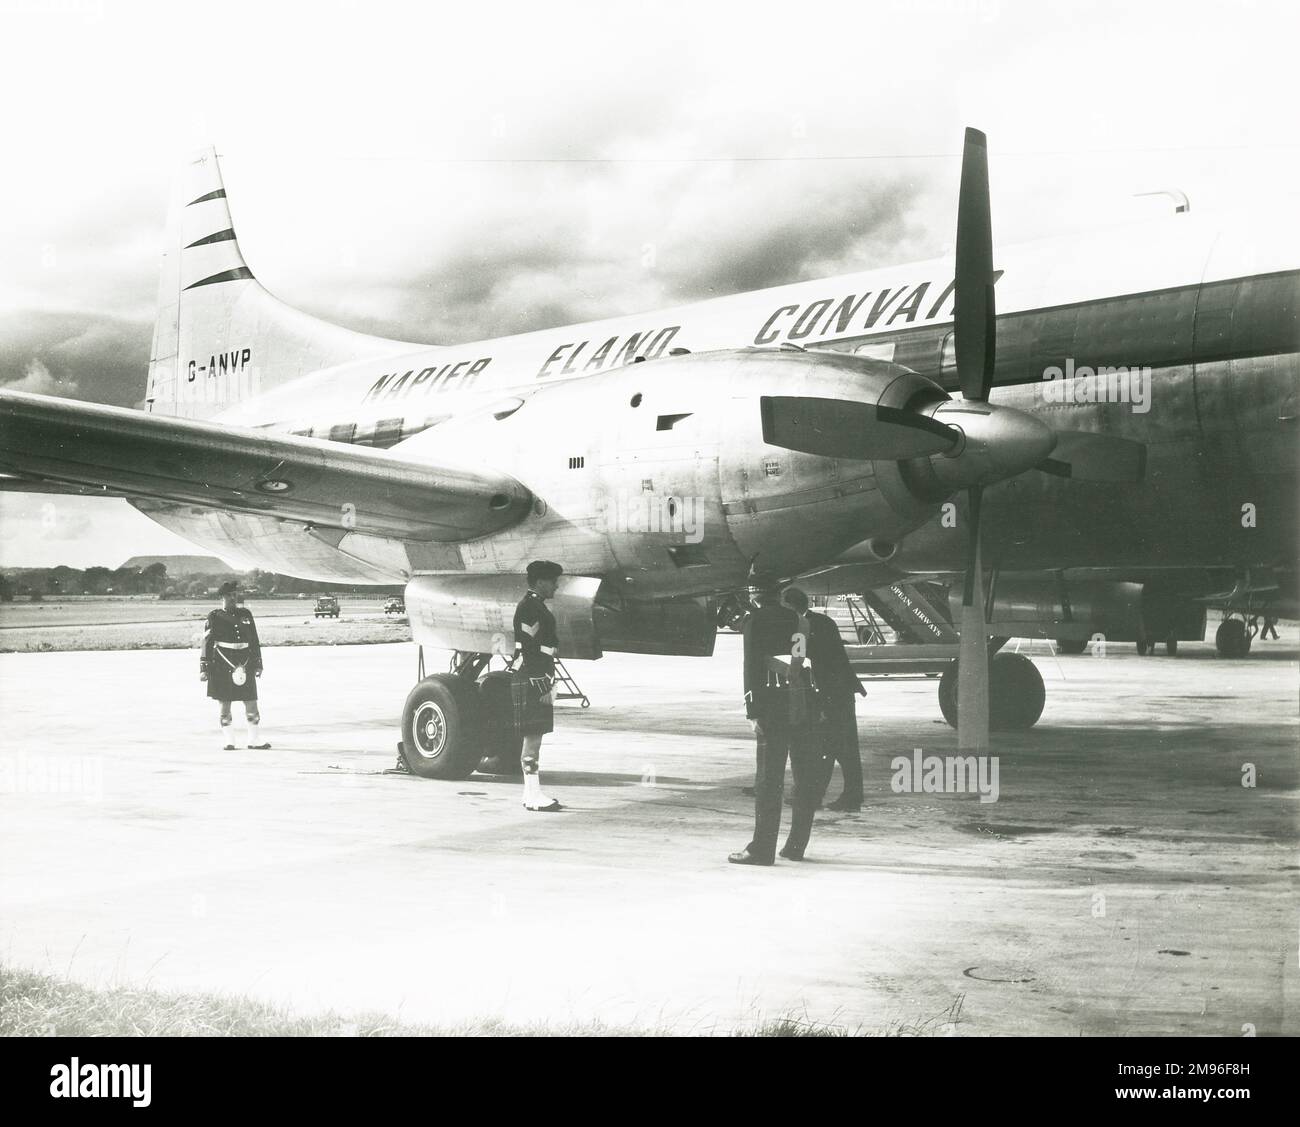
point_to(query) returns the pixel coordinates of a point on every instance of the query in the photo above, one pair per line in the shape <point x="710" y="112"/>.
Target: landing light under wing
<point x="239" y="469"/>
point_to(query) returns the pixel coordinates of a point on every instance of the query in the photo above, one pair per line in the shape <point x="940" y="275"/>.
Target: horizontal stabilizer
<point x="241" y="469"/>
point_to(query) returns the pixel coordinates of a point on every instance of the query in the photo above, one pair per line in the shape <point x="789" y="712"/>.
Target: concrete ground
<point x="1124" y="882"/>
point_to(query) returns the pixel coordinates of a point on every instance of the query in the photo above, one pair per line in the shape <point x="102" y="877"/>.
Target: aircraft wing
<point x="63" y="489"/>
<point x="68" y="443"/>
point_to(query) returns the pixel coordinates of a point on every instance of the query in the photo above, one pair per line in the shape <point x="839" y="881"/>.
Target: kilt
<point x="534" y="713"/>
<point x="222" y="687"/>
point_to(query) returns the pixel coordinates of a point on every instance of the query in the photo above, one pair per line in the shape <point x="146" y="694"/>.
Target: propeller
<point x="842" y="428"/>
<point x="975" y="341"/>
<point x="1084" y="456"/>
<point x="982" y="443"/>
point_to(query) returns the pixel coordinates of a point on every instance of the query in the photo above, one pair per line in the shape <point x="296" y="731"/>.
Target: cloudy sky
<point x="443" y="173"/>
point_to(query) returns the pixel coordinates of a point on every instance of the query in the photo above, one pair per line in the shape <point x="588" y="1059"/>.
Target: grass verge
<point x="42" y="1005"/>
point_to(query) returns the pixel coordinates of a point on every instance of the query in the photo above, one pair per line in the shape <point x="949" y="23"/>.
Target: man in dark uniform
<point x="837" y="685"/>
<point x="782" y="730"/>
<point x="231" y="662"/>
<point x="537" y="646"/>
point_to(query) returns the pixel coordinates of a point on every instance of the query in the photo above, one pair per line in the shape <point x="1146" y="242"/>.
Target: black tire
<point x="948" y="694"/>
<point x="1232" y="639"/>
<point x="1144" y="647"/>
<point x="1016" y="693"/>
<point x="500" y="743"/>
<point x="1071" y="645"/>
<point x="440" y="728"/>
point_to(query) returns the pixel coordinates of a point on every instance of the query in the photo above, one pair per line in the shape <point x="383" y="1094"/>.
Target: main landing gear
<point x="1233" y="638"/>
<point x="462" y="721"/>
<point x="1016" y="693"/>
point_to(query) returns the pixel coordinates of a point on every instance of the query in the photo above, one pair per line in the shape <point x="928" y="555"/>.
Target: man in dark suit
<point x="837" y="686"/>
<point x="775" y="700"/>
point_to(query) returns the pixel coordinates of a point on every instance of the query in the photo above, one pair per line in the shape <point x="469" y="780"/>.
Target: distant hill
<point x="178" y="567"/>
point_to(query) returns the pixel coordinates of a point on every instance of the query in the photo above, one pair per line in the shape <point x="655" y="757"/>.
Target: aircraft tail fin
<point x="220" y="337"/>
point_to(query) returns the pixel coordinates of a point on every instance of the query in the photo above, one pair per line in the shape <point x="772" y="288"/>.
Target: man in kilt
<point x="536" y="648"/>
<point x="779" y="701"/>
<point x="231" y="662"/>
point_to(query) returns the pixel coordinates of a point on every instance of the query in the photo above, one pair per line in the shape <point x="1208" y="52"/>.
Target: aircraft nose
<point x="997" y="443"/>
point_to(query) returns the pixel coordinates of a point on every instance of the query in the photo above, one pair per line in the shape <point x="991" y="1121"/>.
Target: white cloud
<point x="38" y="380"/>
<point x="449" y="172"/>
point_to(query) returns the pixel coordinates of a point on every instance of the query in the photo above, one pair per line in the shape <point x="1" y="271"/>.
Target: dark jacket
<point x="535" y="636"/>
<point x="768" y="631"/>
<point x="831" y="671"/>
<point x="238" y="632"/>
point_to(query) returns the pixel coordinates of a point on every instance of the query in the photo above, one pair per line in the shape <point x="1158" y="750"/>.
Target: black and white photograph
<point x="680" y="521"/>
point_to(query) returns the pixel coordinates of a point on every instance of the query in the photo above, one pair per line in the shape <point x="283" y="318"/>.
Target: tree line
<point x="38" y="583"/>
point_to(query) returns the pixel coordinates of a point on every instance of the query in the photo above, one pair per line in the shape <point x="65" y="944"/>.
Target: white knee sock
<point x="227" y="736"/>
<point x="253" y="738"/>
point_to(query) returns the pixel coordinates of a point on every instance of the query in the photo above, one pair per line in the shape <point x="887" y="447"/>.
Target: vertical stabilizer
<point x="220" y="338"/>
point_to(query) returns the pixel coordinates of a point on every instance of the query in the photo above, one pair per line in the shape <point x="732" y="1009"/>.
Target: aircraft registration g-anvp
<point x="810" y="427"/>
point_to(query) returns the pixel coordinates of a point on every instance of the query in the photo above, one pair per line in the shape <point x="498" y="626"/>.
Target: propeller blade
<point x="844" y="428"/>
<point x="1096" y="457"/>
<point x="973" y="655"/>
<point x="974" y="326"/>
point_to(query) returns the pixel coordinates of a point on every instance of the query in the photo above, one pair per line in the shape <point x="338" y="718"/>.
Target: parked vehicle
<point x="327" y="606"/>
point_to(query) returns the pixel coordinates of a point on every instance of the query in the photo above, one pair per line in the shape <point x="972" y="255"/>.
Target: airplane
<point x="1107" y="423"/>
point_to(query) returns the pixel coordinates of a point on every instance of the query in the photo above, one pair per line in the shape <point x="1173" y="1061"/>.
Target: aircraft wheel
<point x="1016" y="693"/>
<point x="500" y="744"/>
<point x="440" y="728"/>
<point x="1144" y="647"/>
<point x="1171" y="647"/>
<point x="1231" y="638"/>
<point x="948" y="694"/>
<point x="1071" y="645"/>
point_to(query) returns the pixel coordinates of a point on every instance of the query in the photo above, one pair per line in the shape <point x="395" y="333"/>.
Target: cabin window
<point x="948" y="357"/>
<point x="387" y="433"/>
<point x="881" y="351"/>
<point x="507" y="408"/>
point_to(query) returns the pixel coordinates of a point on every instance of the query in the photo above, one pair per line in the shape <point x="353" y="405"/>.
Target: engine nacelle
<point x="1037" y="605"/>
<point x="475" y="614"/>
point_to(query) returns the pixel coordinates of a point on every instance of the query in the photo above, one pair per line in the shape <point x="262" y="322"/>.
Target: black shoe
<point x="792" y="854"/>
<point x="843" y="804"/>
<point x="745" y="857"/>
<point x="551" y="807"/>
<point x="260" y="747"/>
